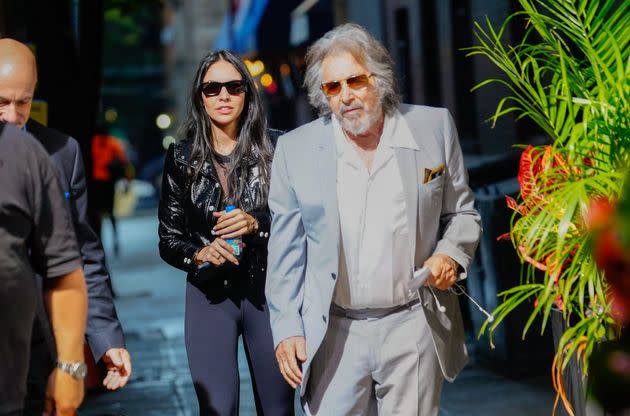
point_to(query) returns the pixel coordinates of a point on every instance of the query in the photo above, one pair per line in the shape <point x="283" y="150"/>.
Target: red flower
<point x="600" y="214"/>
<point x="611" y="257"/>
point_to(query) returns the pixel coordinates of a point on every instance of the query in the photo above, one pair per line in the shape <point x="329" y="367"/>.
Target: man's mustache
<point x="343" y="109"/>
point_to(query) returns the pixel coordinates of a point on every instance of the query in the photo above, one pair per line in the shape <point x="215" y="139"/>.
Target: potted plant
<point x="570" y="75"/>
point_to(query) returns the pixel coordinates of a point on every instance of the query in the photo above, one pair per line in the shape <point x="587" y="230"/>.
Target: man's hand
<point x="286" y="353"/>
<point x="64" y="394"/>
<point x="443" y="271"/>
<point x="118" y="363"/>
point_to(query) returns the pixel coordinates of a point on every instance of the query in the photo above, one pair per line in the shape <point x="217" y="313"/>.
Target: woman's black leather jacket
<point x="186" y="220"/>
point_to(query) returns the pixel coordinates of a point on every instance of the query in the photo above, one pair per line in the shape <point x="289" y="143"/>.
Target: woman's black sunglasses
<point x="212" y="88"/>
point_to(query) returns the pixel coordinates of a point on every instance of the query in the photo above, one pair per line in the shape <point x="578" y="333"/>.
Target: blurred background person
<point x="36" y="236"/>
<point x="224" y="159"/>
<point x="109" y="164"/>
<point x="18" y="79"/>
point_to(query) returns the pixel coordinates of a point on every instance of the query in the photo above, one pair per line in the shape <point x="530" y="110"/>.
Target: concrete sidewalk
<point x="150" y="302"/>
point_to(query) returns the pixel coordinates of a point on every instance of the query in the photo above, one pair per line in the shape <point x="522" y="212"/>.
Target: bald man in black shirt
<point x="36" y="235"/>
<point x="104" y="334"/>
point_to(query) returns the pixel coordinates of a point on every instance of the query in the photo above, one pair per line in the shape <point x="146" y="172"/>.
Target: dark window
<point x="402" y="54"/>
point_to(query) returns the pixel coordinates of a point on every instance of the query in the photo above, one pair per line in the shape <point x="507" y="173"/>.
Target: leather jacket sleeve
<point x="175" y="247"/>
<point x="260" y="237"/>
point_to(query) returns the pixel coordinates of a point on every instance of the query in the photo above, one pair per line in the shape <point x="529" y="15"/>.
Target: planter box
<point x="574" y="380"/>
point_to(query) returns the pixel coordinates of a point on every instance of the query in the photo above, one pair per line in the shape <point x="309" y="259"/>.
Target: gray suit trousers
<point x="386" y="366"/>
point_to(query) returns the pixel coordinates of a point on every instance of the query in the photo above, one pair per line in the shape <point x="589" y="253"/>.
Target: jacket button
<point x="225" y="283"/>
<point x="211" y="207"/>
<point x="333" y="275"/>
<point x="324" y="318"/>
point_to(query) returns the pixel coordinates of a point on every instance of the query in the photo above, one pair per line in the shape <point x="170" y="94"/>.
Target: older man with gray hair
<point x="368" y="201"/>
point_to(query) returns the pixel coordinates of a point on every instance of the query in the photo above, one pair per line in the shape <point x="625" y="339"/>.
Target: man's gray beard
<point x="364" y="126"/>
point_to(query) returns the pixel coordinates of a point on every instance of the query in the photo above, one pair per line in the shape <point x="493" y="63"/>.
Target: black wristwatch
<point x="77" y="369"/>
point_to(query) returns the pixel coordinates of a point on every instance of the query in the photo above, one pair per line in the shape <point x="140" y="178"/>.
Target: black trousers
<point x="213" y="326"/>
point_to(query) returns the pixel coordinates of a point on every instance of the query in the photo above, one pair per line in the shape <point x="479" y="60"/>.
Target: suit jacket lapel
<point x="407" y="165"/>
<point x="326" y="159"/>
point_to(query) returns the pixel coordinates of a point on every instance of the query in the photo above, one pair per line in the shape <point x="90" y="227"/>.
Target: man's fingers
<point x="65" y="410"/>
<point x="293" y="369"/>
<point x="291" y="372"/>
<point x="289" y="381"/>
<point x="126" y="360"/>
<point x="114" y="357"/>
<point x="48" y="406"/>
<point x="287" y="362"/>
<point x="108" y="379"/>
<point x="123" y="380"/>
<point x="300" y="350"/>
<point x="114" y="381"/>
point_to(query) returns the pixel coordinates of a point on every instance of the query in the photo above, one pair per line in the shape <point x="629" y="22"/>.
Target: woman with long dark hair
<point x="223" y="161"/>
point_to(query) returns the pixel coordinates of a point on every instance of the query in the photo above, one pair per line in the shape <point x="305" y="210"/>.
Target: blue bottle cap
<point x="230" y="208"/>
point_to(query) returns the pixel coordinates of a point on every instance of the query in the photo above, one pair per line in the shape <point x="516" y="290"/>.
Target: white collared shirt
<point x="376" y="262"/>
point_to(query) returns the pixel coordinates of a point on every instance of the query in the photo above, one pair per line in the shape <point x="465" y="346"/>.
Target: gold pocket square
<point x="430" y="174"/>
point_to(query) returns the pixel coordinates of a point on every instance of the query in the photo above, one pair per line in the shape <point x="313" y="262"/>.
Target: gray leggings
<point x="212" y="331"/>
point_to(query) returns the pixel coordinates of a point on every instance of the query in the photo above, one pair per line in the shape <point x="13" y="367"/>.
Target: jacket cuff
<point x="448" y="248"/>
<point x="188" y="260"/>
<point x="286" y="327"/>
<point x="103" y="341"/>
<point x="260" y="236"/>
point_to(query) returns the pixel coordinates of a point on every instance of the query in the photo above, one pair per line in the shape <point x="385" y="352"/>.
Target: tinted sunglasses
<point x="212" y="88"/>
<point x="356" y="82"/>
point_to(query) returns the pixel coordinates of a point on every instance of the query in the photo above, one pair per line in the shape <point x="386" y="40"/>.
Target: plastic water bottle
<point x="236" y="242"/>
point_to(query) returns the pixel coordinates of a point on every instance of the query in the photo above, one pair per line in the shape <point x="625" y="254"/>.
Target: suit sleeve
<point x="286" y="264"/>
<point x="103" y="330"/>
<point x="460" y="222"/>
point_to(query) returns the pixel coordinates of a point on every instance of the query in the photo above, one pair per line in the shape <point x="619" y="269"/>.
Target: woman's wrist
<point x="196" y="256"/>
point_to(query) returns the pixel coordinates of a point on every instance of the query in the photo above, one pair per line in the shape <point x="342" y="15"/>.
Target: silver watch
<point x="77" y="370"/>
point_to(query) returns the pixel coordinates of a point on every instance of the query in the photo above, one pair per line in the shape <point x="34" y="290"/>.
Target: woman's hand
<point x="234" y="223"/>
<point x="217" y="253"/>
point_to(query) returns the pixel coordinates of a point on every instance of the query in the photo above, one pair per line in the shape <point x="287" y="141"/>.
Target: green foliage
<point x="570" y="75"/>
<point x="132" y="32"/>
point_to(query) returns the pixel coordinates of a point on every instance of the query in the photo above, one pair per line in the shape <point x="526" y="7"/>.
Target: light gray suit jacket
<point x="305" y="234"/>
